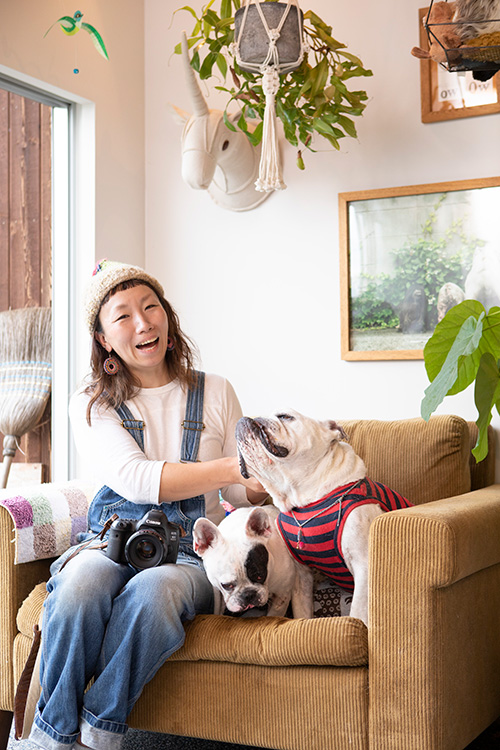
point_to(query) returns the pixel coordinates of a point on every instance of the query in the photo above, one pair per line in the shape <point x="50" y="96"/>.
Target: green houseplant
<point x="314" y="98"/>
<point x="465" y="349"/>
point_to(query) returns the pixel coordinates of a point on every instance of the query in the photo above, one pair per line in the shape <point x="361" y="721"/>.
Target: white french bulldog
<point x="320" y="486"/>
<point x="246" y="560"/>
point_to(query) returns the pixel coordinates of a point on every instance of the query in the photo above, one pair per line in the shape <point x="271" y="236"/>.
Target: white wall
<point x="259" y="291"/>
<point x="115" y="86"/>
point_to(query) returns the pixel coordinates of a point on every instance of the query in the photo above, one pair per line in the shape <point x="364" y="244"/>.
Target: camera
<point x="146" y="543"/>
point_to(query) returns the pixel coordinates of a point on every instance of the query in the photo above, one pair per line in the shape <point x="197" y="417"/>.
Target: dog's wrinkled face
<point x="283" y="450"/>
<point x="236" y="558"/>
<point x="286" y="437"/>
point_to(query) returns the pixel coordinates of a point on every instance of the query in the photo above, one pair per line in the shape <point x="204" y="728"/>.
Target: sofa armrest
<point x="16" y="582"/>
<point x="36" y="524"/>
<point x="434" y="635"/>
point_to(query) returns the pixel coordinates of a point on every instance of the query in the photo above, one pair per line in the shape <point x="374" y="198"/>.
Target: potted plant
<point x="312" y="99"/>
<point x="465" y="349"/>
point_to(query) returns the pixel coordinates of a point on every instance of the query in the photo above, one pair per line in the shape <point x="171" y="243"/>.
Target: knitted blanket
<point x="46" y="517"/>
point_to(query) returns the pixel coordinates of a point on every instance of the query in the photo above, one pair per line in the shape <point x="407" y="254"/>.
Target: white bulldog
<point x="320" y="486"/>
<point x="246" y="560"/>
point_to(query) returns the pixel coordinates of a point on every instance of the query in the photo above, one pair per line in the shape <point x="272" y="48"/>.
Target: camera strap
<point x="87" y="544"/>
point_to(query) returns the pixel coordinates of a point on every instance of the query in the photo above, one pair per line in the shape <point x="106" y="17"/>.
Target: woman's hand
<point x="255" y="491"/>
<point x="182" y="480"/>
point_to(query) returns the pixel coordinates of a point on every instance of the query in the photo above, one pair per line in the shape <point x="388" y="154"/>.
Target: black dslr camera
<point x="146" y="543"/>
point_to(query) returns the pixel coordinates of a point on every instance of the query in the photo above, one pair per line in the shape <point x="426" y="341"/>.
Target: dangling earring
<point x="111" y="365"/>
<point x="170" y="344"/>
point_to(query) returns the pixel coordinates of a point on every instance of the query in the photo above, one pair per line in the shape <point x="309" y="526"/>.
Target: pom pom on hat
<point x="106" y="275"/>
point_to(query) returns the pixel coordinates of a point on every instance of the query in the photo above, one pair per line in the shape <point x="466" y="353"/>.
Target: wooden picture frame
<point x="450" y="96"/>
<point x="398" y="248"/>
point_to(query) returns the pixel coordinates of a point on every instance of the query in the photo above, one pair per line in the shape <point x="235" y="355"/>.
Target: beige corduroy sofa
<point x="424" y="676"/>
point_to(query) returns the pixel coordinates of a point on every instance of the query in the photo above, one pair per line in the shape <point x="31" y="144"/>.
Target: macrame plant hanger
<point x="270" y="176"/>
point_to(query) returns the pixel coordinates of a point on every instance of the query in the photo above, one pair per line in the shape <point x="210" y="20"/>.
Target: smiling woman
<point x="159" y="437"/>
<point x="134" y="325"/>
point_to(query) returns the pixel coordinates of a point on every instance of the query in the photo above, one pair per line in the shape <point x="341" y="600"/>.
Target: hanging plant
<point x="313" y="99"/>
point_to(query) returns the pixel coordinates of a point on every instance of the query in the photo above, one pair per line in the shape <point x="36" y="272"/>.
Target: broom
<point x="25" y="375"/>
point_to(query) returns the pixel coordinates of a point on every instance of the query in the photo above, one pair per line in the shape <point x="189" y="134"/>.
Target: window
<point x="34" y="242"/>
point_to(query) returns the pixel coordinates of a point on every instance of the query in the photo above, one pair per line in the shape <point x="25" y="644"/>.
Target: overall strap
<point x="192" y="425"/>
<point x="134" y="426"/>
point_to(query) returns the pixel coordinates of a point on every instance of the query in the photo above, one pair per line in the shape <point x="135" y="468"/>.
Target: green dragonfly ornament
<point x="70" y="26"/>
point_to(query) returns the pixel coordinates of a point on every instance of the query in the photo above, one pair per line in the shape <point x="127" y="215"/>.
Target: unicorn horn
<point x="200" y="107"/>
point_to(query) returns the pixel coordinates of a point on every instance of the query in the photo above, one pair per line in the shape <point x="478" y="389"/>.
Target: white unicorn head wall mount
<point x="215" y="158"/>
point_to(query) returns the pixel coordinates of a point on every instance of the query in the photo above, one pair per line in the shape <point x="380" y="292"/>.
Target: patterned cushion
<point x="46" y="518"/>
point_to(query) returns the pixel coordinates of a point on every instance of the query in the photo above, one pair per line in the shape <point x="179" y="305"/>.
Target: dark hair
<point x="113" y="390"/>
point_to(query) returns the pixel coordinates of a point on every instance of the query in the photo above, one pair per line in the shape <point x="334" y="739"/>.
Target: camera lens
<point x="145" y="549"/>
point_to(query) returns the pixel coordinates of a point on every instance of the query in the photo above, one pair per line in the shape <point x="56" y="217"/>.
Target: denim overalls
<point x="115" y="623"/>
<point x="183" y="512"/>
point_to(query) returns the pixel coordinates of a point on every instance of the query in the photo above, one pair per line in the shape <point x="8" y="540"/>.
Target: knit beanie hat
<point x="106" y="275"/>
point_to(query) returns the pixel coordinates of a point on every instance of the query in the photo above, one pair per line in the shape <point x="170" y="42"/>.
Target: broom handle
<point x="5" y="470"/>
<point x="9" y="451"/>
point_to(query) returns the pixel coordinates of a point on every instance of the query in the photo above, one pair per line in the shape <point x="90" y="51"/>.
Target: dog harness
<point x="313" y="534"/>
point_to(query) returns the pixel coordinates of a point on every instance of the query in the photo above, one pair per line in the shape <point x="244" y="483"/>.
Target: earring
<point x="111" y="366"/>
<point x="170" y="344"/>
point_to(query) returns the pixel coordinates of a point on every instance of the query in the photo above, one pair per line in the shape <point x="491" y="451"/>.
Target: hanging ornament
<point x="269" y="40"/>
<point x="70" y="26"/>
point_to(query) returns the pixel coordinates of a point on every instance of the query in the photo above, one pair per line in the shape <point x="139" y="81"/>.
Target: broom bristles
<point x="26" y="335"/>
<point x="25" y="368"/>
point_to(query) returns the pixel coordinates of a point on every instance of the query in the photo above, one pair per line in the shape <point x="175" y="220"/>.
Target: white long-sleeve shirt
<point x="115" y="459"/>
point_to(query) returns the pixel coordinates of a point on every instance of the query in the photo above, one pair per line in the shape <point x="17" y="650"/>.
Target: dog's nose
<point x="249" y="598"/>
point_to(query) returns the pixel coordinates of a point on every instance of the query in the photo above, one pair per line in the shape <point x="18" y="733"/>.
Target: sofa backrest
<point x="482" y="474"/>
<point x="424" y="461"/>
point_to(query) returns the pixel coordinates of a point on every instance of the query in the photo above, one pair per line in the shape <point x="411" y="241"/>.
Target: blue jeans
<point x="107" y="621"/>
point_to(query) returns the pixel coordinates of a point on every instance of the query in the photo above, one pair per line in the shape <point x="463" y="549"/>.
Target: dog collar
<point x="300" y="537"/>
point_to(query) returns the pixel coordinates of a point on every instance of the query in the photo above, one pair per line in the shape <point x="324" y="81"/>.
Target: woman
<point x="159" y="435"/>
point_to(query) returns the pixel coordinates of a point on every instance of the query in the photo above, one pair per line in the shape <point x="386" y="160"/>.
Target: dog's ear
<point x="258" y="523"/>
<point x="334" y="427"/>
<point x="205" y="535"/>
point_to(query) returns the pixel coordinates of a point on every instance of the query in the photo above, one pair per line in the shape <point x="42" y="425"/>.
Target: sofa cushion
<point x="276" y="641"/>
<point x="423" y="461"/>
<point x="30" y="610"/>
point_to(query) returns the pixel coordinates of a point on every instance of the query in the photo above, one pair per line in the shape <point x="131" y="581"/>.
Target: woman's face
<point x="135" y="325"/>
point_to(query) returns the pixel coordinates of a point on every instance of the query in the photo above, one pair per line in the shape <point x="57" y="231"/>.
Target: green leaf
<point x="352" y="58"/>
<point x="189" y="10"/>
<point x="437" y="347"/>
<point x="225" y="9"/>
<point x="465" y="343"/>
<point x="191" y="42"/>
<point x="227" y="123"/>
<point x="321" y="126"/>
<point x="195" y="61"/>
<point x="242" y="123"/>
<point x="255" y="136"/>
<point x="222" y="64"/>
<point x="329" y="40"/>
<point x="320" y="77"/>
<point x="207" y="65"/>
<point x="317" y="21"/>
<point x="486" y="396"/>
<point x="211" y="17"/>
<point x="348" y="126"/>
